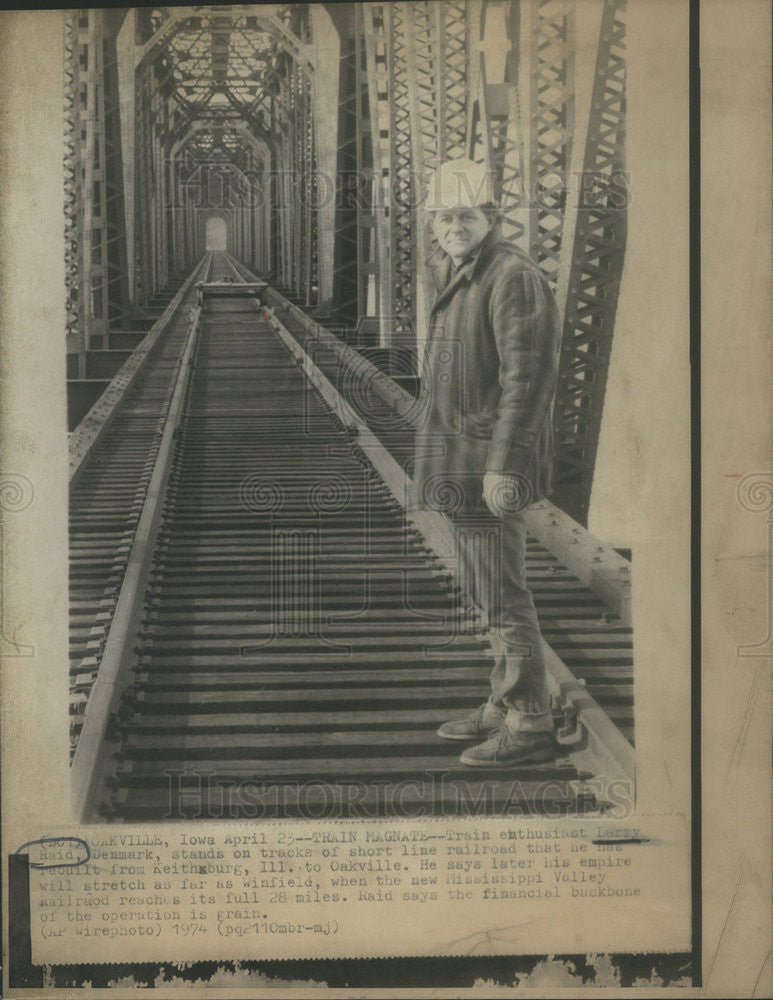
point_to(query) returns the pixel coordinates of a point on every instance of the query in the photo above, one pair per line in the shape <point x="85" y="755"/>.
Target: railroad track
<point x="292" y="641"/>
<point x="107" y="494"/>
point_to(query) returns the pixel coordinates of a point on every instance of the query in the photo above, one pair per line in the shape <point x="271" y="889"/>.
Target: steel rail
<point x="89" y="758"/>
<point x="90" y="430"/>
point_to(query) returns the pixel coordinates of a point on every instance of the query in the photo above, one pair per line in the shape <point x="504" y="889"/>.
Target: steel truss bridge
<point x="246" y="301"/>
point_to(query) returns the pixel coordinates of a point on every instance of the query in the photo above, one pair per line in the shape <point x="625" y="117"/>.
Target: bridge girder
<point x="411" y="84"/>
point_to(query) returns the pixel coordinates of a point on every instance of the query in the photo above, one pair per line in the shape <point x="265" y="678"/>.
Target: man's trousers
<point x="493" y="562"/>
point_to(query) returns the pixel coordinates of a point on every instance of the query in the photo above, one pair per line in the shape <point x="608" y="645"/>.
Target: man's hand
<point x="505" y="494"/>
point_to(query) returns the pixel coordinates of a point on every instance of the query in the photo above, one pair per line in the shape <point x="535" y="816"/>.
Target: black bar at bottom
<point x="21" y="971"/>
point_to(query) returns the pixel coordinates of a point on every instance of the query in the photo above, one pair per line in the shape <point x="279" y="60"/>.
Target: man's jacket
<point x="488" y="380"/>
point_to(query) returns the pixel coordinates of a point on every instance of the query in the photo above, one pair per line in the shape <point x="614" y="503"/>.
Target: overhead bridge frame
<point x="334" y="116"/>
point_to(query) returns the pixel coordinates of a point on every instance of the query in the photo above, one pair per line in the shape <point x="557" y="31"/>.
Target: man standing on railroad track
<point x="485" y="441"/>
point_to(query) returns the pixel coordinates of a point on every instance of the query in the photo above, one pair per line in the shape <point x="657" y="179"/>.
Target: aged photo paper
<point x="628" y="847"/>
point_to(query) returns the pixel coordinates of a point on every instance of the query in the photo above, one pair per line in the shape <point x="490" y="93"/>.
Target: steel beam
<point x="452" y="35"/>
<point x="95" y="244"/>
<point x="400" y="329"/>
<point x="499" y="118"/>
<point x="422" y="70"/>
<point x="552" y="127"/>
<point x="74" y="21"/>
<point x="352" y="262"/>
<point x="592" y="285"/>
<point x="324" y="111"/>
<point x="418" y="56"/>
<point x="377" y="28"/>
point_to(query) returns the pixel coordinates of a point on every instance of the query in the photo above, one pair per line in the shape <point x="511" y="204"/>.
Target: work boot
<point x="486" y="719"/>
<point x="510" y="748"/>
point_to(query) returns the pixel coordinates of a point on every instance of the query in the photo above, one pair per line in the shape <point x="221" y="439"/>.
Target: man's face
<point x="460" y="230"/>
